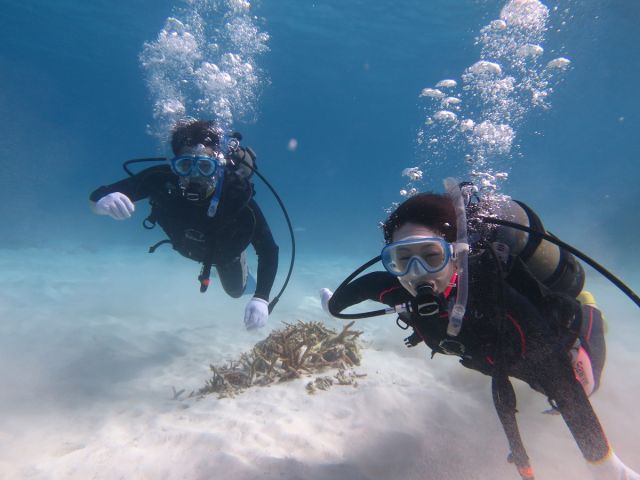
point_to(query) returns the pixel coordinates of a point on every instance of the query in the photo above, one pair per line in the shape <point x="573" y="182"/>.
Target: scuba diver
<point x="204" y="201"/>
<point x="506" y="300"/>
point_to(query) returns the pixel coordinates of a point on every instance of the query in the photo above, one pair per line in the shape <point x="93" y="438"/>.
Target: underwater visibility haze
<point x="351" y="107"/>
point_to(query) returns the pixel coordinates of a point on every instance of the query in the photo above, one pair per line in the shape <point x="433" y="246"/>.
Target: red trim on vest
<point x="384" y="292"/>
<point x="523" y="343"/>
<point x="590" y="323"/>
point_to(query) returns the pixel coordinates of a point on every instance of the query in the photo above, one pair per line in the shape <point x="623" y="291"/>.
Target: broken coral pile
<point x="300" y="349"/>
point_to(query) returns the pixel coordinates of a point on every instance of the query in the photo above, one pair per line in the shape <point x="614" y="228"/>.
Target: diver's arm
<point x="116" y="200"/>
<point x="116" y="205"/>
<point x="377" y="286"/>
<point x="136" y="187"/>
<point x="504" y="400"/>
<point x="112" y="200"/>
<point x="128" y="186"/>
<point x="512" y="325"/>
<point x="267" y="251"/>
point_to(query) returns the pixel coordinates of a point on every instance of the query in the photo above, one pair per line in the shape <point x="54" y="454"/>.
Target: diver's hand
<point x="117" y="205"/>
<point x="256" y="313"/>
<point x="325" y="296"/>
<point x="612" y="468"/>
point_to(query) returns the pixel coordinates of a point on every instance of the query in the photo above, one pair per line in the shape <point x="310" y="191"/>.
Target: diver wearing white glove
<point x="256" y="313"/>
<point x="325" y="296"/>
<point x="117" y="205"/>
<point x="611" y="468"/>
<point x="203" y="199"/>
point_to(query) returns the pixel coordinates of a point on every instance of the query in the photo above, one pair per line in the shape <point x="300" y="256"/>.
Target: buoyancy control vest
<point x="191" y="231"/>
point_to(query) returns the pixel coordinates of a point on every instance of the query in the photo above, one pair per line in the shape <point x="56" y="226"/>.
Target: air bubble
<point x="447" y="83"/>
<point x="431" y="92"/>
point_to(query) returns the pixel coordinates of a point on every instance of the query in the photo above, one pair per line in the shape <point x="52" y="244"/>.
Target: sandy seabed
<point x="92" y="344"/>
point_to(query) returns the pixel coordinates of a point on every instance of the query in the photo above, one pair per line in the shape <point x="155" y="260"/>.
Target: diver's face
<point x="199" y="185"/>
<point x="417" y="276"/>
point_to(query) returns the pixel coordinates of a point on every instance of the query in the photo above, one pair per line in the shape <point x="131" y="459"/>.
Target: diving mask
<point x="420" y="261"/>
<point x="197" y="161"/>
<point x="195" y="165"/>
<point x="426" y="254"/>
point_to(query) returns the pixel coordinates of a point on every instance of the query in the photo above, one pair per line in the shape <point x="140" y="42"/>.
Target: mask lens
<point x="206" y="166"/>
<point x="183" y="165"/>
<point x="431" y="253"/>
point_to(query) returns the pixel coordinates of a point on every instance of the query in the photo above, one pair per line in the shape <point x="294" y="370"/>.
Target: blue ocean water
<point x="343" y="79"/>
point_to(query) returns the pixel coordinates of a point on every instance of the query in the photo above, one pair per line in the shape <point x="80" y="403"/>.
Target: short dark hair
<point x="432" y="210"/>
<point x="193" y="132"/>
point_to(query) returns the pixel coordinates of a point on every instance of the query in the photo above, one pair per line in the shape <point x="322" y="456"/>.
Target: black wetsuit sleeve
<point x="136" y="188"/>
<point x="267" y="252"/>
<point x="377" y="286"/>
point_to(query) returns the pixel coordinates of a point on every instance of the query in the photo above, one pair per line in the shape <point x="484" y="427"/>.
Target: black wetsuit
<point x="501" y="330"/>
<point x="218" y="240"/>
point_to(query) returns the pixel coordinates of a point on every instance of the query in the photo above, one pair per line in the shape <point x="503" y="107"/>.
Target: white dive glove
<point x="256" y="313"/>
<point x="325" y="296"/>
<point x="117" y="205"/>
<point x="612" y="468"/>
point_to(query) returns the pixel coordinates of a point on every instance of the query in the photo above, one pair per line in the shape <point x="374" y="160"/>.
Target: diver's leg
<point x="557" y="378"/>
<point x="233" y="275"/>
<point x="592" y="335"/>
<point x="612" y="468"/>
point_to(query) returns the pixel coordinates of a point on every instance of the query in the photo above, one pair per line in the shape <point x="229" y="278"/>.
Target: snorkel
<point x="461" y="249"/>
<point x="215" y="198"/>
<point x="231" y="144"/>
